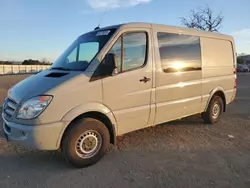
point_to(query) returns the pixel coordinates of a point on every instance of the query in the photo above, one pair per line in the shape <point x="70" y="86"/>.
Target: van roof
<point x="169" y="28"/>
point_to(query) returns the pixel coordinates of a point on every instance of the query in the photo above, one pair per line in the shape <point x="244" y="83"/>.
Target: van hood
<point x="39" y="84"/>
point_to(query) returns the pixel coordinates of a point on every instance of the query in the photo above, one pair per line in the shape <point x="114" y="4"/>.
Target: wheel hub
<point x="88" y="144"/>
<point x="216" y="111"/>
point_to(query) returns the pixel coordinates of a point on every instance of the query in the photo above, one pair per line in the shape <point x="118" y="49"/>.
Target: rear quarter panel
<point x="218" y="66"/>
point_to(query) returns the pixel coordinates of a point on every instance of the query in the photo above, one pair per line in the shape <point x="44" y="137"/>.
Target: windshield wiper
<point x="60" y="68"/>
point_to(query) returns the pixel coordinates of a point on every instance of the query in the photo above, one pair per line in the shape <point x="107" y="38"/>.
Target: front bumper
<point x="41" y="137"/>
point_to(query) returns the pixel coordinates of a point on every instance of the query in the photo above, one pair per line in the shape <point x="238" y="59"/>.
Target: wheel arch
<point x="217" y="92"/>
<point x="93" y="110"/>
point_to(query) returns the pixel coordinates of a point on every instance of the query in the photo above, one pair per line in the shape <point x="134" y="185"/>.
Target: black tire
<point x="73" y="134"/>
<point x="209" y="116"/>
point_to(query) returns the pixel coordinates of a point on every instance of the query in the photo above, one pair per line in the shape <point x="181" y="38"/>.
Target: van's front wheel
<point x="85" y="143"/>
<point x="214" y="110"/>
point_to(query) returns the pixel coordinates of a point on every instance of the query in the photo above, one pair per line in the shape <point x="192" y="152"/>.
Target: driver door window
<point x="130" y="51"/>
<point x="117" y="51"/>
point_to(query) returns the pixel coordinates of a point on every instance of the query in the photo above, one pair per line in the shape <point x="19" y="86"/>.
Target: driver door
<point x="128" y="92"/>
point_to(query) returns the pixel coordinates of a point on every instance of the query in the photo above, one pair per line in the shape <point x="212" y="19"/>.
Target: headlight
<point x="33" y="107"/>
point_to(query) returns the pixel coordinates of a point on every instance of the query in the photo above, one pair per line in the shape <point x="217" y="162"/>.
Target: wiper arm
<point x="60" y="68"/>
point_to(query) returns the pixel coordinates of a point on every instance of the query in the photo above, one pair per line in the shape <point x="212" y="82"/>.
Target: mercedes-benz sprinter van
<point x="119" y="79"/>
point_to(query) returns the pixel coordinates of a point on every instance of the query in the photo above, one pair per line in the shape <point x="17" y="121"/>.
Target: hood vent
<point x="56" y="74"/>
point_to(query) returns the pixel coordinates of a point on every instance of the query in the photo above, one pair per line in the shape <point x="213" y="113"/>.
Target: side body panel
<point x="218" y="69"/>
<point x="178" y="94"/>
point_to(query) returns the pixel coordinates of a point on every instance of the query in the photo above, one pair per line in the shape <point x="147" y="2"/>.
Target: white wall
<point x="20" y="69"/>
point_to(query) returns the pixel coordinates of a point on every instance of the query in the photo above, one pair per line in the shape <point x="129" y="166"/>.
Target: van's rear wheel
<point x="85" y="143"/>
<point x="214" y="110"/>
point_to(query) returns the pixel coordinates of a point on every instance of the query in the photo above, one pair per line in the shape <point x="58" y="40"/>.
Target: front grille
<point x="7" y="128"/>
<point x="9" y="107"/>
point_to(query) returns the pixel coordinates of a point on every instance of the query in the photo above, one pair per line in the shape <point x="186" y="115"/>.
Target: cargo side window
<point x="130" y="51"/>
<point x="179" y="53"/>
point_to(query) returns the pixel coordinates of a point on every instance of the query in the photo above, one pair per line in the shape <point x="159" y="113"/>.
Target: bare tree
<point x="203" y="19"/>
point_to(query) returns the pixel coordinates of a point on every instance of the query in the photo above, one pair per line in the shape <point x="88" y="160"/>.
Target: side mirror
<point x="110" y="64"/>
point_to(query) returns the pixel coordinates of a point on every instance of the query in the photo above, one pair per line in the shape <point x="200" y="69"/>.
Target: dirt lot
<point x="183" y="153"/>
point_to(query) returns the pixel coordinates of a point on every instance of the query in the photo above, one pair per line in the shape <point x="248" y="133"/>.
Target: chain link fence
<point x="21" y="69"/>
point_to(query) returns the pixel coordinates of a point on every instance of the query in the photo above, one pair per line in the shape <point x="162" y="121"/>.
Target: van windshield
<point x="82" y="51"/>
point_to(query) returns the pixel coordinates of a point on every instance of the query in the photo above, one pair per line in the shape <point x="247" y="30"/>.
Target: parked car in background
<point x="248" y="65"/>
<point x="242" y="68"/>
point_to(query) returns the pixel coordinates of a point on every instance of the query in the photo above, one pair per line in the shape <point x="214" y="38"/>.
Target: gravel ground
<point x="184" y="153"/>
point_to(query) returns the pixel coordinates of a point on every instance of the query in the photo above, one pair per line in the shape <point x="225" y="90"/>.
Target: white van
<point x="119" y="79"/>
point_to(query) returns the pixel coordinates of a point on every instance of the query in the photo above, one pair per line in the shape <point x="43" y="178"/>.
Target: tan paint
<point x="127" y="97"/>
<point x="177" y="94"/>
<point x="130" y="104"/>
<point x="218" y="68"/>
<point x="168" y="96"/>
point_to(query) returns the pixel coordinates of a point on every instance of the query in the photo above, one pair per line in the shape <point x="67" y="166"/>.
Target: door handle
<point x="145" y="79"/>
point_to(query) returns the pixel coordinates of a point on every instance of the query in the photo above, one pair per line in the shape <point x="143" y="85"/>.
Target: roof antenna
<point x="98" y="27"/>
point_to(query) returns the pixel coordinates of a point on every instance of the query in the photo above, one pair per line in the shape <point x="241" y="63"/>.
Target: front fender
<point x="90" y="107"/>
